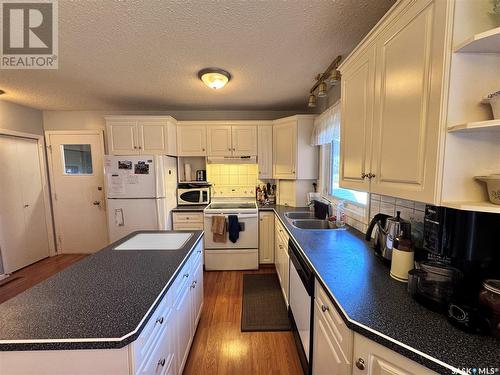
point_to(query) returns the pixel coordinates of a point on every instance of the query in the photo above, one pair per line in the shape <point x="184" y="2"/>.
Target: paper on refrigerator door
<point x="117" y="185"/>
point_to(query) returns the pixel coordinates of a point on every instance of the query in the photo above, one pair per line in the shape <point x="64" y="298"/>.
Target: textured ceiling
<point x="144" y="55"/>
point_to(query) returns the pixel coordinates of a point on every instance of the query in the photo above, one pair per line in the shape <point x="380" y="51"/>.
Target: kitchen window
<point x="326" y="134"/>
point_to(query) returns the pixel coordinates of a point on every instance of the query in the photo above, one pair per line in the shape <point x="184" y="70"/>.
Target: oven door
<point x="249" y="235"/>
<point x="192" y="196"/>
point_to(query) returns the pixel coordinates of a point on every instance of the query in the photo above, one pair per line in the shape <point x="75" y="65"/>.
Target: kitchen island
<point x="123" y="304"/>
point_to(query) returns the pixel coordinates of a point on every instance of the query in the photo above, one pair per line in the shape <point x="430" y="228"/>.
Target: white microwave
<point x="191" y="194"/>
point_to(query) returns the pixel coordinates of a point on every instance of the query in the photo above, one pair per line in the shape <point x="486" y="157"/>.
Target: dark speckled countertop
<point x="103" y="301"/>
<point x="193" y="208"/>
<point x="379" y="307"/>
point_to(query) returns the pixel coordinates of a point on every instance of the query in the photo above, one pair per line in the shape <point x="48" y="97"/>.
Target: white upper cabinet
<point x="391" y="104"/>
<point x="191" y="140"/>
<point x="293" y="156"/>
<point x="265" y="151"/>
<point x="134" y="135"/>
<point x="219" y="140"/>
<point x="407" y="103"/>
<point x="122" y="138"/>
<point x="225" y="139"/>
<point x="356" y="123"/>
<point x="244" y="140"/>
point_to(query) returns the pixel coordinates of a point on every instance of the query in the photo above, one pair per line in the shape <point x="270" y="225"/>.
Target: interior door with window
<point x="77" y="180"/>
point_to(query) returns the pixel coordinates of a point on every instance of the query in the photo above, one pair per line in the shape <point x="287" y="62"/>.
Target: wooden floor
<point x="219" y="346"/>
<point x="31" y="275"/>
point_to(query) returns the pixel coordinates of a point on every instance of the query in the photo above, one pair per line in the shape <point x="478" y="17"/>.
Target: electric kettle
<point x="388" y="228"/>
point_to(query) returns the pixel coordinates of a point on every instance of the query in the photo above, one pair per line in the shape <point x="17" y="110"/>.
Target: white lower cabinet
<point x="332" y="339"/>
<point x="371" y="358"/>
<point x="266" y="237"/>
<point x="281" y="258"/>
<point x="339" y="351"/>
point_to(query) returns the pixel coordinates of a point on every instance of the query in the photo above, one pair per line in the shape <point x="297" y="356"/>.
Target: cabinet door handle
<point x="370" y="175"/>
<point x="160" y="320"/>
<point x="364" y="175"/>
<point x="186" y="275"/>
<point x="135" y="147"/>
<point x="360" y="363"/>
<point x="202" y="149"/>
<point x="193" y="285"/>
<point x="198" y="251"/>
<point x="161" y="362"/>
<point x="324" y="308"/>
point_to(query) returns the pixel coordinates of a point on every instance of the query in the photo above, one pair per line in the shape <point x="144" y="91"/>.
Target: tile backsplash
<point x="232" y="179"/>
<point x="410" y="210"/>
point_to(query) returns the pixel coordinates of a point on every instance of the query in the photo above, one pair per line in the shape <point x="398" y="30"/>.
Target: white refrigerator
<point x="141" y="192"/>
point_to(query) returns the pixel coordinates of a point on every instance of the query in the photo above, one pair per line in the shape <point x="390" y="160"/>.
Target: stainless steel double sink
<point x="306" y="220"/>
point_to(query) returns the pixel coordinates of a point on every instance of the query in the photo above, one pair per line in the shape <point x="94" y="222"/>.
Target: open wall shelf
<point x="493" y="125"/>
<point x="485" y="42"/>
<point x="474" y="206"/>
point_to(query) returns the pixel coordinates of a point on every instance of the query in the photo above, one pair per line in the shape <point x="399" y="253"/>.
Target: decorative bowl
<point x="493" y="100"/>
<point x="492" y="185"/>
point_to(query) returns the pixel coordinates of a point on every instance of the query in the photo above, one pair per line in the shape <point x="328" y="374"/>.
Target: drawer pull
<point x="161" y="362"/>
<point x="160" y="320"/>
<point x="186" y="275"/>
<point x="324" y="308"/>
<point x="198" y="251"/>
<point x="360" y="363"/>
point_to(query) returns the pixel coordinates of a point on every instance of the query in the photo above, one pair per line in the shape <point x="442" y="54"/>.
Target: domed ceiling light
<point x="214" y="78"/>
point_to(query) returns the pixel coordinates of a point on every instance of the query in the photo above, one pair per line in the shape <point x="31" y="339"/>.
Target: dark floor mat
<point x="264" y="308"/>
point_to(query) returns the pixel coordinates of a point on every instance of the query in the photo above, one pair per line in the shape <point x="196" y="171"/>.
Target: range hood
<point x="232" y="160"/>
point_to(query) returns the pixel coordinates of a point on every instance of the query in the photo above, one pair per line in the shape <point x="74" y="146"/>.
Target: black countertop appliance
<point x="469" y="242"/>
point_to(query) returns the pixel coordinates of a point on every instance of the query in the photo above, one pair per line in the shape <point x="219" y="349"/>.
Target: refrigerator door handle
<point x="119" y="220"/>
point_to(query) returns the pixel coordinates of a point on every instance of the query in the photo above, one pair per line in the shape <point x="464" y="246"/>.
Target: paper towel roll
<point x="187" y="172"/>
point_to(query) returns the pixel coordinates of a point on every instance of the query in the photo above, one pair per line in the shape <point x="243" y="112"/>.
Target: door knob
<point x="360" y="363"/>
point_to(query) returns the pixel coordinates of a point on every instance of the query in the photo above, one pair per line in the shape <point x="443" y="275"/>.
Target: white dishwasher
<point x="301" y="303"/>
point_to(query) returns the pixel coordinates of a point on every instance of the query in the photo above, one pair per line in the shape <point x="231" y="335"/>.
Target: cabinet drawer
<point x="182" y="280"/>
<point x="188" y="217"/>
<point x="188" y="226"/>
<point x="342" y="333"/>
<point x="161" y="359"/>
<point x="143" y="346"/>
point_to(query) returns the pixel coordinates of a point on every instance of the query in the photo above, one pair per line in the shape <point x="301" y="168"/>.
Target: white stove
<point x="242" y="254"/>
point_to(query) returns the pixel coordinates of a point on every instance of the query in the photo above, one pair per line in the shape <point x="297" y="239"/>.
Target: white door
<point x="191" y="140"/>
<point x="265" y="151"/>
<point x="122" y="137"/>
<point x="244" y="140"/>
<point x="219" y="140"/>
<point x="408" y="103"/>
<point x="357" y="119"/>
<point x="24" y="237"/>
<point x="76" y="168"/>
<point x="285" y="150"/>
<point x="152" y="137"/>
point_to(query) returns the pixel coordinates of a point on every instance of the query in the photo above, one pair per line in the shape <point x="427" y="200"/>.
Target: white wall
<point x="19" y="118"/>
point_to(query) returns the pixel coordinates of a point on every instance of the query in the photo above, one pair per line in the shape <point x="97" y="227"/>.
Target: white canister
<point x="402" y="262"/>
<point x="187" y="172"/>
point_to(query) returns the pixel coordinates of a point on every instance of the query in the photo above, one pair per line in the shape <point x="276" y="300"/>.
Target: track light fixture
<point x="330" y="76"/>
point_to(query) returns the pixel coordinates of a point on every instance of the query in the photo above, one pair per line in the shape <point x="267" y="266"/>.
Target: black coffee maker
<point x="463" y="250"/>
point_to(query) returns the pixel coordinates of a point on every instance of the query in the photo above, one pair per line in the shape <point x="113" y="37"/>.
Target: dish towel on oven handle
<point x="233" y="228"/>
<point x="219" y="228"/>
